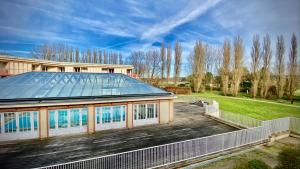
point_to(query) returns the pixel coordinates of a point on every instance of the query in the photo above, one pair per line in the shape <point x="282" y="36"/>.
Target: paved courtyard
<point x="189" y="123"/>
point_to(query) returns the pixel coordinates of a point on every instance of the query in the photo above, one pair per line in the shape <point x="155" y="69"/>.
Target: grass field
<point x="266" y="153"/>
<point x="256" y="108"/>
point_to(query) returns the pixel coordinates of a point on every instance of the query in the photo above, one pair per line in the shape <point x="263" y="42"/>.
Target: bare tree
<point x="198" y="66"/>
<point x="163" y="60"/>
<point x="95" y="56"/>
<point x="293" y="69"/>
<point x="225" y="70"/>
<point x="120" y="58"/>
<point x="238" y="65"/>
<point x="83" y="57"/>
<point x="280" y="80"/>
<point x="77" y="55"/>
<point x="255" y="64"/>
<point x="153" y="63"/>
<point x="105" y="57"/>
<point x="114" y="58"/>
<point x="89" y="55"/>
<point x="99" y="56"/>
<point x="71" y="54"/>
<point x="169" y="60"/>
<point x="218" y="57"/>
<point x="137" y="59"/>
<point x="209" y="58"/>
<point x="267" y="55"/>
<point x="178" y="52"/>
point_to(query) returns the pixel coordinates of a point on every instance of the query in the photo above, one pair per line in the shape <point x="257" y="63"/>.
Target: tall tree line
<point x="154" y="64"/>
<point x="284" y="77"/>
<point x="66" y="53"/>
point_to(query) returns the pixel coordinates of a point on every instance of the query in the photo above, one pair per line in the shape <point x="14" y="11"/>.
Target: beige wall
<point x="171" y="110"/>
<point x="129" y="116"/>
<point x="119" y="70"/>
<point x="53" y="69"/>
<point x="69" y="69"/>
<point x="18" y="67"/>
<point x="164" y="111"/>
<point x="91" y="119"/>
<point x="43" y="123"/>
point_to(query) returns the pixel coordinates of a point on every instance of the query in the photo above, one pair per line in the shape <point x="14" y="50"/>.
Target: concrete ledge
<point x="294" y="135"/>
<point x="279" y="136"/>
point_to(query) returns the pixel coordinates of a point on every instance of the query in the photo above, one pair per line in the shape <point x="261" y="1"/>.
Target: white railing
<point x="175" y="152"/>
<point x="295" y="125"/>
<point x="235" y="118"/>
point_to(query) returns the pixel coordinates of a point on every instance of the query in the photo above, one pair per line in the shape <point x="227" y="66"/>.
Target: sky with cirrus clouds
<point x="139" y="25"/>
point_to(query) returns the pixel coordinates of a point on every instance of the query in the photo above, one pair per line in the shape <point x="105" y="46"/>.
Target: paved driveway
<point x="189" y="123"/>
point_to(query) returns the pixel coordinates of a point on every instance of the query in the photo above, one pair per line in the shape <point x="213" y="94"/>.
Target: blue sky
<point x="139" y="25"/>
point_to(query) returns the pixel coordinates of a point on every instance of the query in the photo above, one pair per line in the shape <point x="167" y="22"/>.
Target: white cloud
<point x="40" y="35"/>
<point x="186" y="15"/>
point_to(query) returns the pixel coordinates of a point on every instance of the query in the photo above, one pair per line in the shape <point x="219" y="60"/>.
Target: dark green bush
<point x="257" y="164"/>
<point x="289" y="158"/>
<point x="252" y="164"/>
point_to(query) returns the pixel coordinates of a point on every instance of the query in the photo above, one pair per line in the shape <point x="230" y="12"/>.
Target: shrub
<point x="258" y="164"/>
<point x="178" y="90"/>
<point x="252" y="164"/>
<point x="289" y="158"/>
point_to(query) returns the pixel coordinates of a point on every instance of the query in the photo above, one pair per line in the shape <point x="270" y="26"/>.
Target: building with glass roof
<point x="45" y="104"/>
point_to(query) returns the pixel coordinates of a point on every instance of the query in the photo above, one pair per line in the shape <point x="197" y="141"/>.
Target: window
<point x="76" y="69"/>
<point x="145" y="111"/>
<point x="110" y="114"/>
<point x="156" y="110"/>
<point x="142" y="111"/>
<point x="104" y="70"/>
<point x="24" y="121"/>
<point x="35" y="120"/>
<point x="98" y="109"/>
<point x="116" y="113"/>
<point x="44" y="68"/>
<point x="84" y="116"/>
<point x="135" y="112"/>
<point x="34" y="68"/>
<point x="62" y="69"/>
<point x="10" y="124"/>
<point x="150" y="111"/>
<point x="52" y="119"/>
<point x="110" y="70"/>
<point x="106" y="115"/>
<point x="124" y="112"/>
<point x="75" y="117"/>
<point x="84" y="69"/>
<point x="62" y="118"/>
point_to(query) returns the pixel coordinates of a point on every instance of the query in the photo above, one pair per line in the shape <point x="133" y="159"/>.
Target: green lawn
<point x="250" y="107"/>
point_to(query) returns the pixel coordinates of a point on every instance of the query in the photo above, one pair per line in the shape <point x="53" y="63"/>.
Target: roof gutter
<point x="131" y="98"/>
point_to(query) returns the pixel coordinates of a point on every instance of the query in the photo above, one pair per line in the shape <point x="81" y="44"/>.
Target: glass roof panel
<point x="71" y="84"/>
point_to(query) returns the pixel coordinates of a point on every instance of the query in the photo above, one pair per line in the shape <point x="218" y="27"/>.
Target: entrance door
<point x="110" y="117"/>
<point x="18" y="125"/>
<point x="67" y="121"/>
<point x="145" y="114"/>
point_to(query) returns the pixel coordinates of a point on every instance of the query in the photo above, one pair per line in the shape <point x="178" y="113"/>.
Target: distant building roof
<point x="58" y="63"/>
<point x="59" y="85"/>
